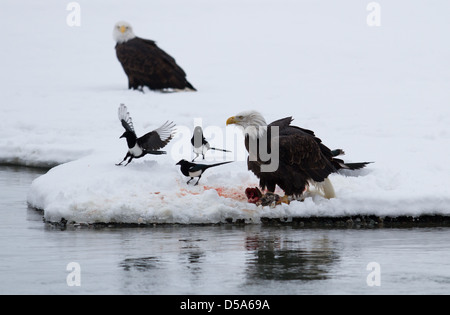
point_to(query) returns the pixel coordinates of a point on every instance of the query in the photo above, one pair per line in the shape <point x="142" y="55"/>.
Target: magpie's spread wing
<point x="125" y="119"/>
<point x="157" y="138"/>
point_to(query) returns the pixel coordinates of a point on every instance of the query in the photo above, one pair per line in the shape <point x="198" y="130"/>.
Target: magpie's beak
<point x="180" y="162"/>
<point x="232" y="120"/>
<point x="122" y="136"/>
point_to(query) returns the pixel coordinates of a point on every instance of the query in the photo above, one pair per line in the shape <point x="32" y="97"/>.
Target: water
<point x="222" y="259"/>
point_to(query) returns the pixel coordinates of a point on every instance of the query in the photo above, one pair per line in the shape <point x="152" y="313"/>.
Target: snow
<point x="380" y="93"/>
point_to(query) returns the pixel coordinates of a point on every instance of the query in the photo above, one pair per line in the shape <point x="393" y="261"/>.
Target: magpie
<point x="200" y="144"/>
<point x="192" y="170"/>
<point x="150" y="143"/>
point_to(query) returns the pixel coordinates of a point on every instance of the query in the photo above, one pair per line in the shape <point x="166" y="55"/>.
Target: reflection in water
<point x="216" y="260"/>
<point x="191" y="256"/>
<point x="278" y="259"/>
<point x="236" y="258"/>
<point x="140" y="264"/>
<point x="183" y="263"/>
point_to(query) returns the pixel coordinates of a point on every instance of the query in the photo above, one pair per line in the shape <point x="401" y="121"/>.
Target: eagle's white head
<point x="123" y="32"/>
<point x="250" y="121"/>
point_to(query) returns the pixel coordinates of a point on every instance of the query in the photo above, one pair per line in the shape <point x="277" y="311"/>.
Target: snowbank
<point x="379" y="93"/>
<point x="93" y="189"/>
<point x="90" y="190"/>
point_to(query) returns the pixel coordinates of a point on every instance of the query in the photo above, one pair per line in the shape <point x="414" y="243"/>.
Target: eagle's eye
<point x="241" y="117"/>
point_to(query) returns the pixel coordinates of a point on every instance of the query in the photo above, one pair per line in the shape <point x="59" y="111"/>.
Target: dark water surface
<point x="37" y="258"/>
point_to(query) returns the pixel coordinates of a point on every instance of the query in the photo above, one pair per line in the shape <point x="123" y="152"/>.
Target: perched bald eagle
<point x="146" y="64"/>
<point x="303" y="158"/>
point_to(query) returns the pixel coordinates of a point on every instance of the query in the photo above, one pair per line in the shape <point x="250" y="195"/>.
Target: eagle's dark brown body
<point x="146" y="64"/>
<point x="302" y="158"/>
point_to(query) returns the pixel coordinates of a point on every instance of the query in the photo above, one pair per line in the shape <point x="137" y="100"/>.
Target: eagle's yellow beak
<point x="122" y="29"/>
<point x="231" y="120"/>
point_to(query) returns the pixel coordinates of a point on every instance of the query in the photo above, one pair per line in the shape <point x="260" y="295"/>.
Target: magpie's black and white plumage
<point x="200" y="145"/>
<point x="192" y="170"/>
<point x="150" y="143"/>
<point x="145" y="64"/>
<point x="303" y="158"/>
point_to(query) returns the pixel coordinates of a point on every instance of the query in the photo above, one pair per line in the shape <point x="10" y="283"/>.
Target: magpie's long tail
<point x="219" y="149"/>
<point x="217" y="164"/>
<point x="157" y="152"/>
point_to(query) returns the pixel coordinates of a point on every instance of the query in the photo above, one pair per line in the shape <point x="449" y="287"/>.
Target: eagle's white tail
<point x="326" y="188"/>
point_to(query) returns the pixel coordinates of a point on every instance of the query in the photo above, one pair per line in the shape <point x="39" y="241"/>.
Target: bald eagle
<point x="145" y="63"/>
<point x="302" y="157"/>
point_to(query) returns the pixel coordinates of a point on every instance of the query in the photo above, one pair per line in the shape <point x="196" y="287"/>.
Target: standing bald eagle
<point x="146" y="64"/>
<point x="303" y="158"/>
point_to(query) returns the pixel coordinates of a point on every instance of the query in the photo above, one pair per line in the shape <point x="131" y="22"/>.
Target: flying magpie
<point x="150" y="143"/>
<point x="200" y="144"/>
<point x="195" y="170"/>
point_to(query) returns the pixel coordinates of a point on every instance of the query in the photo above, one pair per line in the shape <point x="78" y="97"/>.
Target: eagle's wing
<point x="164" y="56"/>
<point x="303" y="153"/>
<point x="286" y="129"/>
<point x="157" y="138"/>
<point x="125" y="119"/>
<point x="297" y="146"/>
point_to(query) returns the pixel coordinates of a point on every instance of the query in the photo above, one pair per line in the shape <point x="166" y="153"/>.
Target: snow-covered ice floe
<point x="89" y="190"/>
<point x="94" y="190"/>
